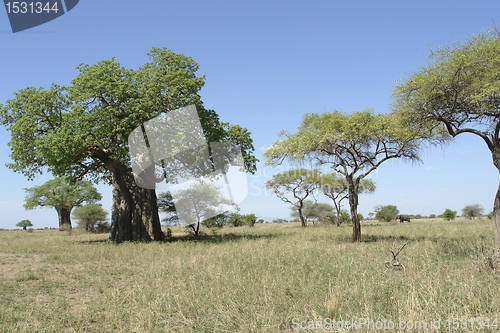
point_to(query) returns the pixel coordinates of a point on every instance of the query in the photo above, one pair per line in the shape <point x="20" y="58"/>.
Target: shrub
<point x="449" y="214"/>
<point x="432" y="216"/>
<point x="250" y="219"/>
<point x="386" y="213"/>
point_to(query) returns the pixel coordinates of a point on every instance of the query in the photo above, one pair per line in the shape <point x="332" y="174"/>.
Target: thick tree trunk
<point x="134" y="215"/>
<point x="353" y="205"/>
<point x="495" y="219"/>
<point x="64" y="217"/>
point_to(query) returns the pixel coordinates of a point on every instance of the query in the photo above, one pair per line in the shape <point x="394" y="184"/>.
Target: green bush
<point x="449" y="214"/>
<point x="250" y="219"/>
<point x="386" y="213"/>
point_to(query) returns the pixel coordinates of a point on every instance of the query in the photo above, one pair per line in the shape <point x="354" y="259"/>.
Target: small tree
<point x="300" y="183"/>
<point x="198" y="202"/>
<point x="91" y="217"/>
<point x="386" y="213"/>
<point x="24" y="224"/>
<point x="472" y="211"/>
<point x="432" y="216"/>
<point x="449" y="214"/>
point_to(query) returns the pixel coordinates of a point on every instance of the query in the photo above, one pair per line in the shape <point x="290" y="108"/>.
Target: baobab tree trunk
<point x="353" y="205"/>
<point x="64" y="217"/>
<point x="495" y="219"/>
<point x="134" y="215"/>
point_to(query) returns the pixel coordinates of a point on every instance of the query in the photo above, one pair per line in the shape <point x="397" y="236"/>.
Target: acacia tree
<point x="82" y="130"/>
<point x="472" y="211"/>
<point x="63" y="195"/>
<point x="299" y="182"/>
<point x="90" y="215"/>
<point x="460" y="89"/>
<point x="353" y="145"/>
<point x="335" y="187"/>
<point x="314" y="211"/>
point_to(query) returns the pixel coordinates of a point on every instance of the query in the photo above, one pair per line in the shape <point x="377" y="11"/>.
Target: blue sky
<point x="266" y="64"/>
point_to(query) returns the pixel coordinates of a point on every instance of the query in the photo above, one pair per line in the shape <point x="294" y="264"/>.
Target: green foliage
<point x="92" y="218"/>
<point x="386" y="213"/>
<point x="344" y="216"/>
<point x="166" y="205"/>
<point x="250" y="219"/>
<point x="360" y="216"/>
<point x="432" y="216"/>
<point x="472" y="211"/>
<point x="313" y="211"/>
<point x="449" y="214"/>
<point x="168" y="234"/>
<point x="418" y="216"/>
<point x="236" y="220"/>
<point x="490" y="215"/>
<point x="24" y="224"/>
<point x="217" y="221"/>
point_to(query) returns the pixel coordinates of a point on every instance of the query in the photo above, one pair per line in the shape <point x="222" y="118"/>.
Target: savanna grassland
<point x="249" y="279"/>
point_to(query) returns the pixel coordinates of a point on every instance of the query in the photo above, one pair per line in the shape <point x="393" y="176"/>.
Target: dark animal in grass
<point x="402" y="218"/>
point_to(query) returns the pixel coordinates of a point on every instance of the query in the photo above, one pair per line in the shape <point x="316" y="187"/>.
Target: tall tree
<point x="353" y="145"/>
<point x="460" y="89"/>
<point x="335" y="187"/>
<point x="300" y="183"/>
<point x="82" y="130"/>
<point x="63" y="195"/>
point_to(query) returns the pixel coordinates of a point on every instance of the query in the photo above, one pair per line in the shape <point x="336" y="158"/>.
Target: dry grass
<point x="246" y="279"/>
